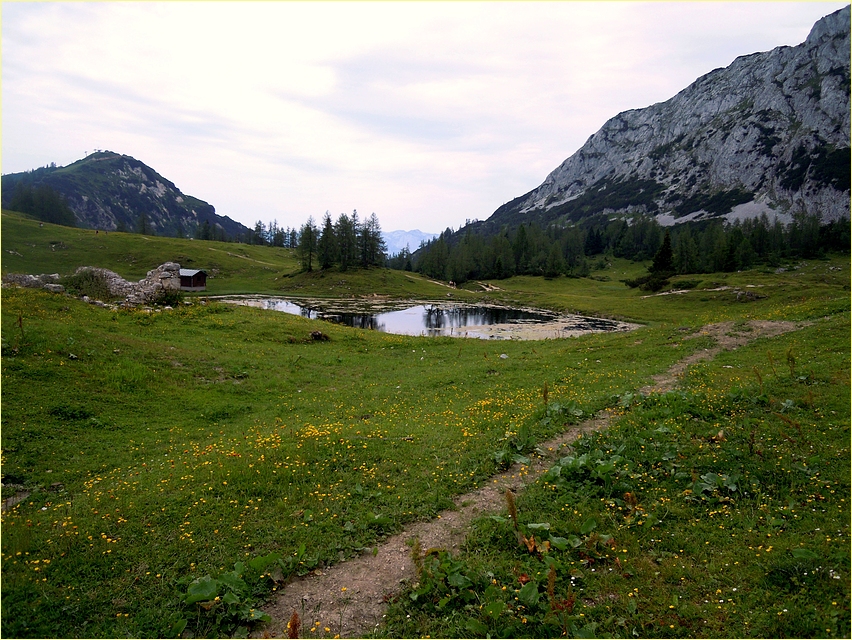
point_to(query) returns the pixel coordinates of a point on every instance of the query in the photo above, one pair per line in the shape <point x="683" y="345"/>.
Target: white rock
<point x="737" y="127"/>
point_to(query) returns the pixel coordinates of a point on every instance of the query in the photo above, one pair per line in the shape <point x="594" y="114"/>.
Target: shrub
<point x="88" y="282"/>
<point x="687" y="284"/>
<point x="169" y="297"/>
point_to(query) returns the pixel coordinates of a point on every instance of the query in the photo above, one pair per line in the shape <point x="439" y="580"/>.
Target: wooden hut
<point x="193" y="280"/>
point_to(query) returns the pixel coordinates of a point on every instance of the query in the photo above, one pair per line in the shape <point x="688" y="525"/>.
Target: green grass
<point x="29" y="247"/>
<point x="669" y="529"/>
<point x="175" y="444"/>
<point x="781" y="296"/>
<point x="185" y="440"/>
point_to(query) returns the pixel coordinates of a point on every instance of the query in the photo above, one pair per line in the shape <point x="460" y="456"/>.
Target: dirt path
<point x="728" y="336"/>
<point x="350" y="598"/>
<point x="237" y="255"/>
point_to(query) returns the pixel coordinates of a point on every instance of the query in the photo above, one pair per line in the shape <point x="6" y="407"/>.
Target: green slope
<point x="32" y="247"/>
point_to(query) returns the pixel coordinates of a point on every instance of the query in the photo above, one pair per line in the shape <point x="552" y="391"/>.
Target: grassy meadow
<point x="717" y="510"/>
<point x="182" y="464"/>
<point x="29" y="247"/>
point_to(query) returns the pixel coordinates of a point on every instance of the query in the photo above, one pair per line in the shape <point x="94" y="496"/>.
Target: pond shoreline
<point x="541" y="325"/>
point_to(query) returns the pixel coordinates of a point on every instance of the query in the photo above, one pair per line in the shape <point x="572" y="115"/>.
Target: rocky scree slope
<point x="110" y="191"/>
<point x="769" y="133"/>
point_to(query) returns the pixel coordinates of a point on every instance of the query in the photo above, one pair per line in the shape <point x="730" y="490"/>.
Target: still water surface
<point x="431" y="319"/>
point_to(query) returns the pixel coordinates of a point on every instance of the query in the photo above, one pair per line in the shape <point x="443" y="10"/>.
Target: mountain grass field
<point x="166" y="472"/>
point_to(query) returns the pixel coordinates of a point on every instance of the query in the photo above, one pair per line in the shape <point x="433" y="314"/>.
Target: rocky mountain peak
<point x="767" y="134"/>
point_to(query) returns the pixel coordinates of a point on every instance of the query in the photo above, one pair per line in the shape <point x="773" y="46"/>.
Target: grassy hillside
<point x="173" y="457"/>
<point x="705" y="298"/>
<point x="30" y="247"/>
<point x="107" y="190"/>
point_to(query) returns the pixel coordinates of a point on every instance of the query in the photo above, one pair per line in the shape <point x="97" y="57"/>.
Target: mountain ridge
<point x="396" y="241"/>
<point x="111" y="191"/>
<point x="768" y="134"/>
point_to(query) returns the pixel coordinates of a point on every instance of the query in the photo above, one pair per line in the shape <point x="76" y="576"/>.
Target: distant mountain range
<point x="767" y="134"/>
<point x="110" y="191"/>
<point x="396" y="241"/>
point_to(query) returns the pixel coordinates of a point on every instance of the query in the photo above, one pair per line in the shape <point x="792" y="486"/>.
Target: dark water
<point x="429" y="319"/>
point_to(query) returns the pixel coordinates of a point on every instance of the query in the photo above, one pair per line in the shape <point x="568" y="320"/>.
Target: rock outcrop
<point x="164" y="278"/>
<point x="769" y="133"/>
<point x="33" y="282"/>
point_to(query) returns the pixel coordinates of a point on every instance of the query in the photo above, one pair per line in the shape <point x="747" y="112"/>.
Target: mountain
<point x="396" y="241"/>
<point x="109" y="191"/>
<point x="769" y="133"/>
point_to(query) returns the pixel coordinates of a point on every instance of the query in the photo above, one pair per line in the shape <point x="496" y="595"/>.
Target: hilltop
<point x="115" y="192"/>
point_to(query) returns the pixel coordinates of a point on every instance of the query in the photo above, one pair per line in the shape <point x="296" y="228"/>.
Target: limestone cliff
<point x="768" y="133"/>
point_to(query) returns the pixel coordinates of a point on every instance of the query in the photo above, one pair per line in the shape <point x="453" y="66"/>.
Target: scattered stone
<point x="748" y="296"/>
<point x="15" y="499"/>
<point x="30" y="281"/>
<point x="166" y="277"/>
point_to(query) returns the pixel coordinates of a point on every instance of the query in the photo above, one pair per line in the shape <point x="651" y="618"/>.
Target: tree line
<point x="43" y="203"/>
<point x="705" y="247"/>
<point x="346" y="243"/>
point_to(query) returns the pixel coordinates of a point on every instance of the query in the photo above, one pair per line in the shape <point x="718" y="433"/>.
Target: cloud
<point x="426" y="113"/>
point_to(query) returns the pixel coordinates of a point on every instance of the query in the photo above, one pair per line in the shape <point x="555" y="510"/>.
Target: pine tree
<point x="521" y="250"/>
<point x="259" y="233"/>
<point x="346" y="241"/>
<point x="327" y="246"/>
<point x="664" y="259"/>
<point x="44" y="203"/>
<point x="686" y="259"/>
<point x="555" y="264"/>
<point x="308" y="244"/>
<point x="376" y="247"/>
<point x="142" y="225"/>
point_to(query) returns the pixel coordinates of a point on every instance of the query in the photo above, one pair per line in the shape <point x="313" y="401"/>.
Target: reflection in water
<point x="432" y="319"/>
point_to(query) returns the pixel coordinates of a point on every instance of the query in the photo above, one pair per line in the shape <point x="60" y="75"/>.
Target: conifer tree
<point x="346" y="241"/>
<point x="664" y="259"/>
<point x="308" y="244"/>
<point x="327" y="246"/>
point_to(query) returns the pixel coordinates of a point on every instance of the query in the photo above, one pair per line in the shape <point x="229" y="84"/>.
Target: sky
<point x="427" y="114"/>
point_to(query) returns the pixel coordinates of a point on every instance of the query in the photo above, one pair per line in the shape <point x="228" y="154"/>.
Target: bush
<point x="687" y="284"/>
<point x="650" y="282"/>
<point x="87" y="283"/>
<point x="169" y="297"/>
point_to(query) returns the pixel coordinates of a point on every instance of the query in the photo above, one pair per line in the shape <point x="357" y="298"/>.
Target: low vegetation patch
<point x="87" y="282"/>
<point x="187" y="440"/>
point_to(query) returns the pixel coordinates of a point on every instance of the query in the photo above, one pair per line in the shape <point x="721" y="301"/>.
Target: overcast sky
<point x="425" y="113"/>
